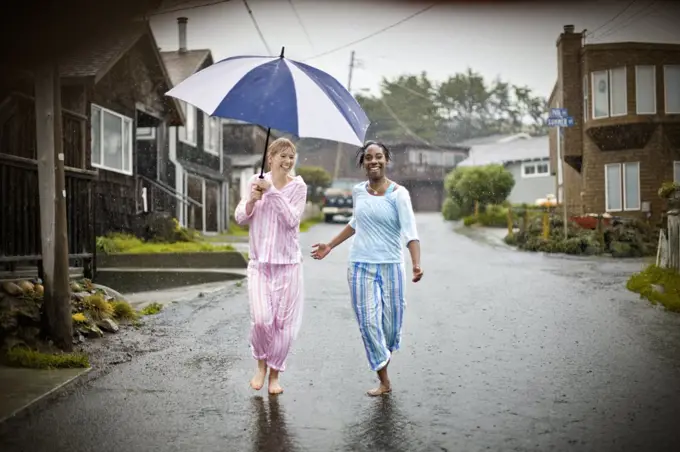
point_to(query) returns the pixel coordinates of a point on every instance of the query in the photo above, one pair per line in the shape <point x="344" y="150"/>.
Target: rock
<point x="91" y="331"/>
<point x="80" y="296"/>
<point x="78" y="338"/>
<point x="12" y="289"/>
<point x="26" y="286"/>
<point x="39" y="289"/>
<point x="110" y="293"/>
<point x="108" y="325"/>
<point x="75" y="287"/>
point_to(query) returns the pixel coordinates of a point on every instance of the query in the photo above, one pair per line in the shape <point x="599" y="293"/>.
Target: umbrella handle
<point x="264" y="154"/>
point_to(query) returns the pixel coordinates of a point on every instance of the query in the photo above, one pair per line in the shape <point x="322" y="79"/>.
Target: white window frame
<point x="676" y="171"/>
<point x="611" y="91"/>
<point x="622" y="177"/>
<point x="535" y="165"/>
<point x="592" y="78"/>
<point x="665" y="88"/>
<point x="637" y="90"/>
<point x="211" y="143"/>
<point x="145" y="133"/>
<point x="586" y="97"/>
<point x="126" y="156"/>
<point x="189" y="112"/>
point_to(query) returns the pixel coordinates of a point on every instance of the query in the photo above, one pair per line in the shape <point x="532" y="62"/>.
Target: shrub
<point x="470" y="220"/>
<point x="658" y="286"/>
<point x="451" y="211"/>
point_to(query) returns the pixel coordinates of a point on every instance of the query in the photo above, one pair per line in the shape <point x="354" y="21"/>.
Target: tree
<point x="316" y="179"/>
<point x="490" y="184"/>
<point x="413" y="108"/>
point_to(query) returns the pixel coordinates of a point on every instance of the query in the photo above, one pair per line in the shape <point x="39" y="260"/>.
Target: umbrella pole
<point x="264" y="154"/>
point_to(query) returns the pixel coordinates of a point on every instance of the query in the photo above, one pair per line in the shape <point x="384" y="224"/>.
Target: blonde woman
<point x="275" y="289"/>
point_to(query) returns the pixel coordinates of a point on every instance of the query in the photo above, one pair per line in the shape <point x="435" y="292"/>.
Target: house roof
<point x="97" y="59"/>
<point x="182" y="65"/>
<point x="520" y="148"/>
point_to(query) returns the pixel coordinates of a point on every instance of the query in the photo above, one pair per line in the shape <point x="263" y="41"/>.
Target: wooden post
<point x="476" y="209"/>
<point x="510" y="222"/>
<point x="52" y="192"/>
<point x="546" y="224"/>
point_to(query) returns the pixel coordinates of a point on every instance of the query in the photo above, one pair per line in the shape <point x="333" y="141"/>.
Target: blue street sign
<point x="558" y="113"/>
<point x="561" y="122"/>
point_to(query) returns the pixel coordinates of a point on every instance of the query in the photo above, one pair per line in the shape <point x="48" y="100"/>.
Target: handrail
<point x="63" y="110"/>
<point x="170" y="191"/>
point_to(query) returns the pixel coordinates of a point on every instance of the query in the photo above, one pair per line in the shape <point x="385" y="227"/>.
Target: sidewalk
<point x="23" y="390"/>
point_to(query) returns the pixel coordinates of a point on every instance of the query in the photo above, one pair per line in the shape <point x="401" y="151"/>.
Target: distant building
<point x="526" y="157"/>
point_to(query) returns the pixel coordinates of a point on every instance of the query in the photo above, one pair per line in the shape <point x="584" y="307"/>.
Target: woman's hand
<point x="263" y="184"/>
<point x="417" y="273"/>
<point x="255" y="193"/>
<point x="320" y="250"/>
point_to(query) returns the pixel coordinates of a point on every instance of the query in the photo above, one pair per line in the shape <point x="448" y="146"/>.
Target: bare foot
<point x="274" y="386"/>
<point x="380" y="390"/>
<point x="258" y="379"/>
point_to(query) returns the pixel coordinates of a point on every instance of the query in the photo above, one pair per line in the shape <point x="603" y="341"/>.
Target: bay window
<point x="609" y="93"/>
<point x="645" y="90"/>
<point x="671" y="78"/>
<point x="111" y="140"/>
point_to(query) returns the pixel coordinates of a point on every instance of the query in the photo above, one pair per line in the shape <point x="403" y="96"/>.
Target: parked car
<point x="337" y="200"/>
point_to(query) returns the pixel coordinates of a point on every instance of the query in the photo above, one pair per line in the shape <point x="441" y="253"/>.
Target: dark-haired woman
<point x="382" y="216"/>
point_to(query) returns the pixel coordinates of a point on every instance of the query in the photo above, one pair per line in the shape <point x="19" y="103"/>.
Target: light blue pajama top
<point x="382" y="225"/>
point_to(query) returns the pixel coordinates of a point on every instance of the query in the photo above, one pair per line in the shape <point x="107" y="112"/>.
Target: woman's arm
<point x="246" y="207"/>
<point x="347" y="232"/>
<point x="407" y="221"/>
<point x="292" y="210"/>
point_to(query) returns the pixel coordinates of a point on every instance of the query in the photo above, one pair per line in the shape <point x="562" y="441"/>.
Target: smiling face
<point x="375" y="162"/>
<point x="281" y="155"/>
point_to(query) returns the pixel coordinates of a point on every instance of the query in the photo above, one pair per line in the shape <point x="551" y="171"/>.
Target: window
<point x="622" y="186"/>
<point x="111" y="140"/>
<point x="187" y="133"/>
<point x="609" y="93"/>
<point x="211" y="137"/>
<point x="645" y="90"/>
<point x="535" y="169"/>
<point x="671" y="77"/>
<point x="676" y="172"/>
<point x="618" y="91"/>
<point x="585" y="98"/>
<point x="600" y="94"/>
<point x="146" y="133"/>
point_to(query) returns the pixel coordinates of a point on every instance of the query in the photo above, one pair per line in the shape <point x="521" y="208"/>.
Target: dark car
<point x="337" y="200"/>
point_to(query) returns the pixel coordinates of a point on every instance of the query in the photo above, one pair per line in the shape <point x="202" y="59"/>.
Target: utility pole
<point x="338" y="153"/>
<point x="52" y="195"/>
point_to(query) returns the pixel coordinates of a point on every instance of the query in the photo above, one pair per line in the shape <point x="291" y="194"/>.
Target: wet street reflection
<point x="383" y="426"/>
<point x="270" y="432"/>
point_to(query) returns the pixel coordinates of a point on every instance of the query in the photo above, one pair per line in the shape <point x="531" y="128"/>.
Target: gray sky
<point x="515" y="41"/>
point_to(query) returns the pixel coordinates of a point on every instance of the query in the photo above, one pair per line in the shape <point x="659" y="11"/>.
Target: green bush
<point x="469" y="220"/>
<point x="658" y="286"/>
<point x="451" y="211"/>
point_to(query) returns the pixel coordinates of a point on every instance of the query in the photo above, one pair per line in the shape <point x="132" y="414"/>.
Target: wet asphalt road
<point x="502" y="351"/>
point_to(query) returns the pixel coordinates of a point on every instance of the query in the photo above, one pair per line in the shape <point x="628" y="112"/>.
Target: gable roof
<point x="520" y="148"/>
<point x="95" y="60"/>
<point x="182" y="65"/>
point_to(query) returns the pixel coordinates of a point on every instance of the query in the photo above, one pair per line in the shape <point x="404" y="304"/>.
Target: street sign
<point x="561" y="122"/>
<point x="558" y="113"/>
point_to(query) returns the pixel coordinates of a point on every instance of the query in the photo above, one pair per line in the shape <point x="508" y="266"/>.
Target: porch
<point x="20" y="234"/>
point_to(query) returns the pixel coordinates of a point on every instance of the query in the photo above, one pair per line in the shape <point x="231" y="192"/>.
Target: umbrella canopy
<point x="277" y="93"/>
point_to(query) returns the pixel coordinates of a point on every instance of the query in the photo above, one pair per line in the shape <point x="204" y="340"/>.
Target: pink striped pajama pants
<point x="276" y="300"/>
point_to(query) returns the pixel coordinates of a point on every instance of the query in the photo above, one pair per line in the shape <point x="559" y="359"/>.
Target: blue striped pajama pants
<point x="377" y="292"/>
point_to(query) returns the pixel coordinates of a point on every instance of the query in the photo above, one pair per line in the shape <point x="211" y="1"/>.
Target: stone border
<point x="221" y="260"/>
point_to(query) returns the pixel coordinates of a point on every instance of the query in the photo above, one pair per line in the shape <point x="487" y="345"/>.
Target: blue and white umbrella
<point x="277" y="93"/>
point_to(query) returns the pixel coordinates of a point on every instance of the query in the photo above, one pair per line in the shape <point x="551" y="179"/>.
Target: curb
<point x="54" y="393"/>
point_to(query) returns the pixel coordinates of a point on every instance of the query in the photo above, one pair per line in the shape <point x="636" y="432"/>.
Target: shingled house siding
<point x="655" y="156"/>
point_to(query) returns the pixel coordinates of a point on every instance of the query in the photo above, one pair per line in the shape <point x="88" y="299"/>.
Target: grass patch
<point x="307" y="224"/>
<point x="123" y="311"/>
<point x="236" y="229"/>
<point x="658" y="286"/>
<point x="126" y="243"/>
<point x="23" y="357"/>
<point x="152" y="309"/>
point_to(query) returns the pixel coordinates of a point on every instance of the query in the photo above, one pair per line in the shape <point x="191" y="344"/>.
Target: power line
<point x="590" y="33"/>
<point x="302" y="25"/>
<point x="257" y="27"/>
<point x="632" y="19"/>
<point x="382" y="30"/>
